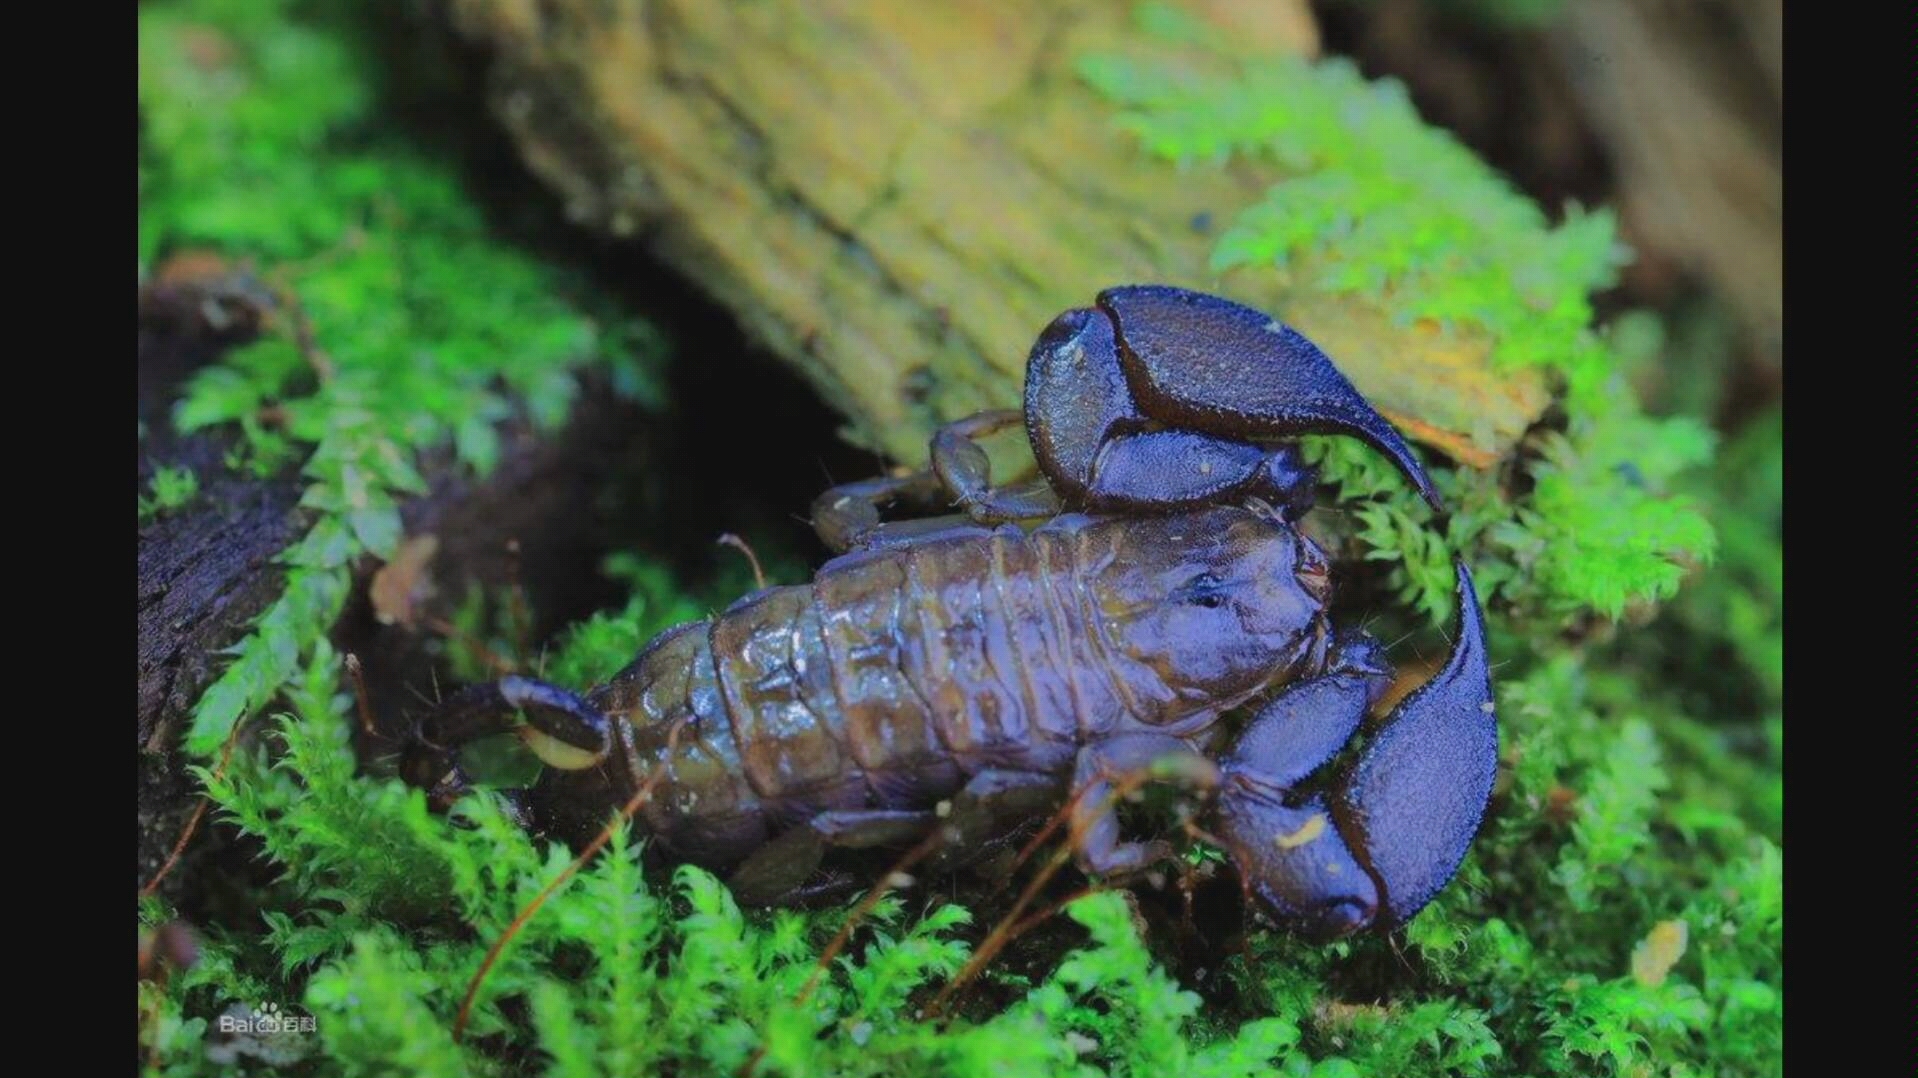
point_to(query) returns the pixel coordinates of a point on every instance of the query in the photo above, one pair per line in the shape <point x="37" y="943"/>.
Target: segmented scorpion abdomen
<point x="884" y="683"/>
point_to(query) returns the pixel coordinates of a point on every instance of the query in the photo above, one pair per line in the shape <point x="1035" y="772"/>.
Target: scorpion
<point x="961" y="672"/>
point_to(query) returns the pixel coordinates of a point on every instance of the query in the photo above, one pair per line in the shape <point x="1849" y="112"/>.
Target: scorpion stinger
<point x="1397" y="825"/>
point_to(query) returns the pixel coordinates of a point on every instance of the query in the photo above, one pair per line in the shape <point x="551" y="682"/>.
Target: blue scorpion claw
<point x="1211" y="365"/>
<point x="1414" y="800"/>
<point x="1288" y="852"/>
<point x="1294" y="860"/>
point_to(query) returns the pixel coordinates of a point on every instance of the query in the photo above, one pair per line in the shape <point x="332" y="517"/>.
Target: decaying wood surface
<point x="207" y="570"/>
<point x="897" y="197"/>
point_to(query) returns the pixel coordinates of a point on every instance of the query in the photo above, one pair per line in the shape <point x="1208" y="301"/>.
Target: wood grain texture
<point x="896" y="198"/>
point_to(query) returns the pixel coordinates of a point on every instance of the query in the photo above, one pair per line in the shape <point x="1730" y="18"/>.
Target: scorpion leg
<point x="851" y="516"/>
<point x="848" y="517"/>
<point x="845" y="515"/>
<point x="993" y="805"/>
<point x="966" y="472"/>
<point x="894" y="533"/>
<point x="563" y="730"/>
<point x="1396" y="826"/>
<point x="1105" y="771"/>
<point x="782" y="869"/>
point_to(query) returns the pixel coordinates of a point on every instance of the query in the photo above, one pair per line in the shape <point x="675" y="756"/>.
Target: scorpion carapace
<point x="1046" y="645"/>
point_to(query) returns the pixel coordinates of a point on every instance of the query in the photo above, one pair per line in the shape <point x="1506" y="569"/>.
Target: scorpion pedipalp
<point x="1160" y="398"/>
<point x="1206" y="364"/>
<point x="1395" y="827"/>
<point x="1414" y="800"/>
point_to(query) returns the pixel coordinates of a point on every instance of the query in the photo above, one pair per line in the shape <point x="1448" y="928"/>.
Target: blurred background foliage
<point x="424" y="311"/>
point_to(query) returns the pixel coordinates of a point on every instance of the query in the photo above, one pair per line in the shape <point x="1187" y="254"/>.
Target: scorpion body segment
<point x="1050" y="641"/>
<point x="901" y="674"/>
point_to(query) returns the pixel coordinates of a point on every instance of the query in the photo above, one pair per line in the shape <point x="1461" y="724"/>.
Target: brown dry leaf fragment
<point x="1661" y="949"/>
<point x="173" y="945"/>
<point x="402" y="584"/>
<point x="192" y="267"/>
<point x="1336" y="1016"/>
<point x="207" y="48"/>
<point x="1410" y="675"/>
<point x="1561" y="805"/>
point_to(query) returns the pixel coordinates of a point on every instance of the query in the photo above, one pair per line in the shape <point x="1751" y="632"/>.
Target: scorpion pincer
<point x="971" y="671"/>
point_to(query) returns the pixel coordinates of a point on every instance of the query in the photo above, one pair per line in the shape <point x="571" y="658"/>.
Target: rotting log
<point x="205" y="571"/>
<point x="896" y="198"/>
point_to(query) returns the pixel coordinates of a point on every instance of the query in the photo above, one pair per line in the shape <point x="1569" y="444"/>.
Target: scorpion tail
<point x="562" y="729"/>
<point x="1414" y="800"/>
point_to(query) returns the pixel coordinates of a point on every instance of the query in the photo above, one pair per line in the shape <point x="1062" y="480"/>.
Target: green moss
<point x="1641" y="783"/>
<point x="169" y="489"/>
<point x="1373" y="200"/>
<point x="1742" y="605"/>
<point x="407" y="326"/>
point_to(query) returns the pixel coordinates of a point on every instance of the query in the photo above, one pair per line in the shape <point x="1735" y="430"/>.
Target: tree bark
<point x="896" y="198"/>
